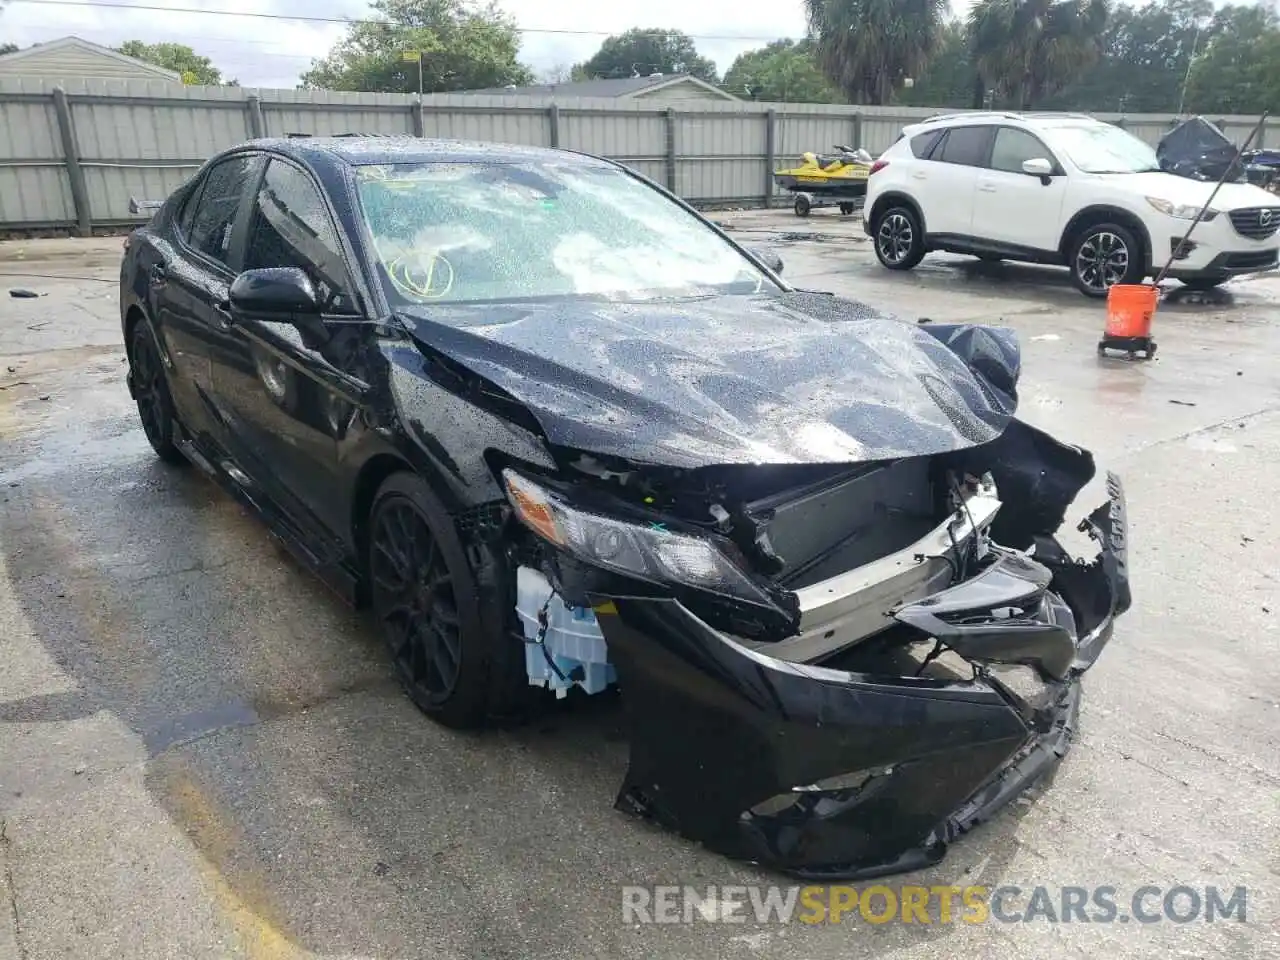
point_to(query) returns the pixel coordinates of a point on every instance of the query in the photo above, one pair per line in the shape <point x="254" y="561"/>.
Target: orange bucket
<point x="1130" y="307"/>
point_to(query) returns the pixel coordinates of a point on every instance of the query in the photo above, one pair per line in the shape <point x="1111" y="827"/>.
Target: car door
<point x="1013" y="207"/>
<point x="947" y="181"/>
<point x="189" y="280"/>
<point x="288" y="401"/>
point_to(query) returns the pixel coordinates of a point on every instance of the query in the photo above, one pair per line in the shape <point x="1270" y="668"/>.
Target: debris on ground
<point x="1183" y="403"/>
<point x="22" y="293"/>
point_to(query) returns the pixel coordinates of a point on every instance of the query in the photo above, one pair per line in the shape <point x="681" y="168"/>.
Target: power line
<point x="159" y="8"/>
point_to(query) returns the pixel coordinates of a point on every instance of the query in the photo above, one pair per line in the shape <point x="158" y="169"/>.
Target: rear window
<point x="922" y="143"/>
<point x="966" y="146"/>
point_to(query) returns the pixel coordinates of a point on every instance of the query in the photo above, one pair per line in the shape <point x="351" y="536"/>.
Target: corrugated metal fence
<point x="71" y="156"/>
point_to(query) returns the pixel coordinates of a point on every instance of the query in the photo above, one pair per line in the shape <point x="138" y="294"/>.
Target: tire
<point x="846" y="209"/>
<point x="802" y="206"/>
<point x="899" y="238"/>
<point x="428" y="609"/>
<point x="150" y="388"/>
<point x="1102" y="255"/>
<point x="1203" y="283"/>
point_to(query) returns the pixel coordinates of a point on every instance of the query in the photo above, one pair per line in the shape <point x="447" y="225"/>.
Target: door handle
<point x="987" y="187"/>
<point x="920" y="175"/>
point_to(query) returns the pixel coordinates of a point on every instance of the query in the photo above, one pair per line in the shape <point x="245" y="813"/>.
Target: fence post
<point x="857" y="131"/>
<point x="71" y="155"/>
<point x="256" y="127"/>
<point x="417" y="120"/>
<point x="770" y="153"/>
<point x="553" y="123"/>
<point x="670" y="117"/>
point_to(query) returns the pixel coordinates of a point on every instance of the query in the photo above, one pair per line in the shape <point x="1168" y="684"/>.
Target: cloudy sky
<point x="272" y="53"/>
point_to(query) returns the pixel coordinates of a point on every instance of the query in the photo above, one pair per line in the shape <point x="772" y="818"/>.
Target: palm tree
<point x="868" y="47"/>
<point x="1025" y="50"/>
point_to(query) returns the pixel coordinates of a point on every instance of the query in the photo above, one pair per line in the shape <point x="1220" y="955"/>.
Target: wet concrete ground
<point x="203" y="753"/>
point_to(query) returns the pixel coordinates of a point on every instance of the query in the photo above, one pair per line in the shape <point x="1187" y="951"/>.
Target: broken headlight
<point x="650" y="553"/>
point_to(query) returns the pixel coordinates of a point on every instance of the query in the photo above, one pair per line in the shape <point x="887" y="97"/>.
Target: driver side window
<point x="290" y="227"/>
<point x="1013" y="146"/>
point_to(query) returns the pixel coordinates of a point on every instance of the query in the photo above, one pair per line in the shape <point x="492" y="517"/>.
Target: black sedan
<point x="560" y="431"/>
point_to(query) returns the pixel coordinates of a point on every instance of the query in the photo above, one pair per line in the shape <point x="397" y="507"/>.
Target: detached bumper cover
<point x="827" y="774"/>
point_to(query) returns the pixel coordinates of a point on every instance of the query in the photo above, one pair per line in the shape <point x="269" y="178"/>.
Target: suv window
<point x="922" y="143"/>
<point x="1012" y="146"/>
<point x="966" y="146"/>
<point x="215" y="207"/>
<point x="290" y="227"/>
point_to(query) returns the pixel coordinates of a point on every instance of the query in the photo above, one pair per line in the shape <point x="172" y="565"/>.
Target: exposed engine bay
<point x="821" y="603"/>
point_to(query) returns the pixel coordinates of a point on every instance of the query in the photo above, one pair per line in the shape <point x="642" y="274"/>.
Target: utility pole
<point x="408" y="56"/>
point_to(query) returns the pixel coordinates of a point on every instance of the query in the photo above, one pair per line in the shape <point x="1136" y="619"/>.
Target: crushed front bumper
<point x="827" y="774"/>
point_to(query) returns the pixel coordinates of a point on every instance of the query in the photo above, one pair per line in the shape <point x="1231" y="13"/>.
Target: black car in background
<point x="557" y="429"/>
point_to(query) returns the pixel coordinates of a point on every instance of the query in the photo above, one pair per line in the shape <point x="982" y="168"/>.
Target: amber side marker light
<point x="533" y="507"/>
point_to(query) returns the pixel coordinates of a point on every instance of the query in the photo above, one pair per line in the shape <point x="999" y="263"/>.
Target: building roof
<point x="617" y="87"/>
<point x="62" y="43"/>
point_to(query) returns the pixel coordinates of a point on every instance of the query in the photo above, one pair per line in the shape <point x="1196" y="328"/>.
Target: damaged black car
<point x="558" y="430"/>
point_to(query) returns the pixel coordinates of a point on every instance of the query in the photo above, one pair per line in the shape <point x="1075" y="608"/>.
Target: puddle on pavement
<point x="197" y="725"/>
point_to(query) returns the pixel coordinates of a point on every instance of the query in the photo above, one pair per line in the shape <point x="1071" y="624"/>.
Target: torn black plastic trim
<point x="968" y="617"/>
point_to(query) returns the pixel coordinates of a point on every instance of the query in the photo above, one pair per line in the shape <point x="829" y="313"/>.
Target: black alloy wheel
<point x="150" y="391"/>
<point x="898" y="238"/>
<point x="457" y="665"/>
<point x="1104" y="255"/>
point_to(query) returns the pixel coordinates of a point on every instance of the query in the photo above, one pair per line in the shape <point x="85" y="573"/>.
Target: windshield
<point x="1102" y="148"/>
<point x="468" y="232"/>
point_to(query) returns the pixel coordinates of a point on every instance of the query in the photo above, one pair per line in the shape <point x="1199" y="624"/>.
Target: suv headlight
<point x="650" y="553"/>
<point x="1181" y="211"/>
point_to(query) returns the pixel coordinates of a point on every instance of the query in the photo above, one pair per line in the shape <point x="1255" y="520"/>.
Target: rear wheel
<point x="802" y="206"/>
<point x="1103" y="255"/>
<point x="899" y="238"/>
<point x="1203" y="283"/>
<point x="150" y="390"/>
<point x="425" y="598"/>
<point x="846" y="208"/>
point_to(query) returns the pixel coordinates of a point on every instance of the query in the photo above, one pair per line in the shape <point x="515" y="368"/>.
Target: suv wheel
<point x="1102" y="255"/>
<point x="899" y="239"/>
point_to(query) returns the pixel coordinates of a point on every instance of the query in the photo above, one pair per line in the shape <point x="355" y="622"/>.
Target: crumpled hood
<point x="778" y="378"/>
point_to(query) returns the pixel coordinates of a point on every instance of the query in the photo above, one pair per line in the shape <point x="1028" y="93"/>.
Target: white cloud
<point x="272" y="53"/>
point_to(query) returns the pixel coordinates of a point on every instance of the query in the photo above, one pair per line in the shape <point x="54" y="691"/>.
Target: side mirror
<point x="1038" y="167"/>
<point x="769" y="257"/>
<point x="276" y="293"/>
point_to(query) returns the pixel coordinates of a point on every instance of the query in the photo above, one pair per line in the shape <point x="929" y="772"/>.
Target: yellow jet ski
<point x="839" y="178"/>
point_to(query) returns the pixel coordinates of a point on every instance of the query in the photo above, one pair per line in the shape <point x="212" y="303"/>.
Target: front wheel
<point x="427" y="604"/>
<point x="802" y="206"/>
<point x="899" y="238"/>
<point x="846" y="209"/>
<point x="1102" y="256"/>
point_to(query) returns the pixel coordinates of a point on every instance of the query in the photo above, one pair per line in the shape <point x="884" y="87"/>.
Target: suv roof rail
<point x="972" y="113"/>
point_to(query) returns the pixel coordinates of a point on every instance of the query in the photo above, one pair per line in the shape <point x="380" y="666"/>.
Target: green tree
<point x="948" y="78"/>
<point x="645" y="51"/>
<point x="1145" y="53"/>
<point x="784" y="71"/>
<point x="1026" y="50"/>
<point x="1239" y="71"/>
<point x="867" y="48"/>
<point x="465" y="45"/>
<point x="177" y="57"/>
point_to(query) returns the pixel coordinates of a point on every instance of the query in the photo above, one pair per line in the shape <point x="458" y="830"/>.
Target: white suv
<point x="1060" y="188"/>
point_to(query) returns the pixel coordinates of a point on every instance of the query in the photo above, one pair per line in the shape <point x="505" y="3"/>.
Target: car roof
<point x="971" y="118"/>
<point x="360" y="149"/>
